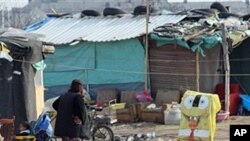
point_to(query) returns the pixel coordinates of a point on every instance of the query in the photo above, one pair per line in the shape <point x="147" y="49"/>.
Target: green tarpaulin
<point x="204" y="42"/>
<point x="96" y="63"/>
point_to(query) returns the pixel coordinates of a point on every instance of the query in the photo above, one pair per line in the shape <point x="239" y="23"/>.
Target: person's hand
<point x="77" y="120"/>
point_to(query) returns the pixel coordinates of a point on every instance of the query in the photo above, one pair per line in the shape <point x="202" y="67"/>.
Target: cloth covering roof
<point x="17" y="83"/>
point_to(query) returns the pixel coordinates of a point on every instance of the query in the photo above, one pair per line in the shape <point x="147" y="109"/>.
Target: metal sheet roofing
<point x="101" y="29"/>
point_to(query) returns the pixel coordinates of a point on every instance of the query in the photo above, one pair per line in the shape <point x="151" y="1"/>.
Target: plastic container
<point x="173" y="115"/>
<point x="151" y="135"/>
<point x="222" y="116"/>
<point x="245" y="101"/>
<point x="118" y="106"/>
<point x="234" y="103"/>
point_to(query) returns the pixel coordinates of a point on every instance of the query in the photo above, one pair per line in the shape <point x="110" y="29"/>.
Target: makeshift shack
<point x="202" y="31"/>
<point x="179" y="61"/>
<point x="187" y="50"/>
<point x="104" y="52"/>
<point x="21" y="75"/>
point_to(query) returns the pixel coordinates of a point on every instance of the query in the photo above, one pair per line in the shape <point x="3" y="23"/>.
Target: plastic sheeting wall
<point x="240" y="66"/>
<point x="96" y="63"/>
<point x="211" y="69"/>
<point x="59" y="90"/>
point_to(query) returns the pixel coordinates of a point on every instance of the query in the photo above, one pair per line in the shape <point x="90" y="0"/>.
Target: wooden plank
<point x="167" y="66"/>
<point x="227" y="67"/>
<point x="197" y="71"/>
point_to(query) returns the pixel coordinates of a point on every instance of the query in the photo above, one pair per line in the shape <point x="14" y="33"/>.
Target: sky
<point x="20" y="3"/>
<point x="12" y="3"/>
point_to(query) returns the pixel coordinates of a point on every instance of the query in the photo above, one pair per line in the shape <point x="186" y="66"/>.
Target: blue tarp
<point x="96" y="63"/>
<point x="59" y="90"/>
<point x="37" y="25"/>
<point x="71" y="58"/>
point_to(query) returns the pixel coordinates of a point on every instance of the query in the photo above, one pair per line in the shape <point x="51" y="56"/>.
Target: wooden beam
<point x="197" y="60"/>
<point x="226" y="67"/>
<point x="189" y="37"/>
<point x="146" y="46"/>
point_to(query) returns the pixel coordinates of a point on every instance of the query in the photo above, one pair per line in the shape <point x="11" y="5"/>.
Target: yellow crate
<point x="118" y="106"/>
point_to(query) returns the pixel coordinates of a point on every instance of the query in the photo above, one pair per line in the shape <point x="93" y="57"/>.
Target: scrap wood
<point x="189" y="37"/>
<point x="53" y="10"/>
<point x="183" y="11"/>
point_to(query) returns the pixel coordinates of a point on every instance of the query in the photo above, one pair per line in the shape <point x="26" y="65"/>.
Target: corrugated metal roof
<point x="101" y="29"/>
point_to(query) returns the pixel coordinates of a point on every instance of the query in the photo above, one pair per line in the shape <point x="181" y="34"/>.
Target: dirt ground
<point x="169" y="132"/>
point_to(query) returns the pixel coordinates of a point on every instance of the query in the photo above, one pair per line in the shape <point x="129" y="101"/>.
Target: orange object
<point x="6" y="121"/>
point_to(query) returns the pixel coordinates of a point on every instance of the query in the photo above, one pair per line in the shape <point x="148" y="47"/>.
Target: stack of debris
<point x="136" y="137"/>
<point x="202" y="25"/>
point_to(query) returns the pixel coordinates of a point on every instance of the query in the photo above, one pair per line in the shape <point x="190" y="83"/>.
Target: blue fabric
<point x="43" y="124"/>
<point x="96" y="63"/>
<point x="68" y="63"/>
<point x="118" y="62"/>
<point x="245" y="101"/>
<point x="70" y="58"/>
<point x="56" y="78"/>
<point x="37" y="25"/>
<point x="143" y="97"/>
<point x="39" y="65"/>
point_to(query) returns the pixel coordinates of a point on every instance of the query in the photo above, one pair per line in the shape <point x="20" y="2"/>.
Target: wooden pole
<point x="187" y="38"/>
<point x="146" y="46"/>
<point x="226" y="67"/>
<point x="197" y="60"/>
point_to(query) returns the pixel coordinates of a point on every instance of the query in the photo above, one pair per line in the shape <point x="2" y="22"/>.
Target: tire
<point x="218" y="6"/>
<point x="99" y="131"/>
<point x="142" y="10"/>
<point x="204" y="11"/>
<point x="58" y="15"/>
<point x="92" y="13"/>
<point x="113" y="12"/>
<point x="245" y="17"/>
<point x="226" y="15"/>
<point x="167" y="29"/>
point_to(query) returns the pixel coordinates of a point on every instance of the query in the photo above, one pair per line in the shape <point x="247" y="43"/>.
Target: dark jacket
<point x="68" y="106"/>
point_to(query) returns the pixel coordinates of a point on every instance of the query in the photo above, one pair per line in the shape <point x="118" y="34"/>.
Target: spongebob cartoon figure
<point x="198" y="116"/>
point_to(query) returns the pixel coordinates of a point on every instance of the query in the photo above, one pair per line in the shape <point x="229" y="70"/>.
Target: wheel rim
<point x="102" y="134"/>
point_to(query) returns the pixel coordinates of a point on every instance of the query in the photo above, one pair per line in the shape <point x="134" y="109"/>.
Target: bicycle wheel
<point x="103" y="133"/>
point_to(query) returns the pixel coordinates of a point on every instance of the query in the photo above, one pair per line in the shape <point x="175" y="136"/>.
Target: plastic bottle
<point x="151" y="135"/>
<point x="166" y="116"/>
<point x="130" y="138"/>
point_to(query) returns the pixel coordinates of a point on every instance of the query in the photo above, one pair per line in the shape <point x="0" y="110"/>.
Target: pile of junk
<point x="204" y="25"/>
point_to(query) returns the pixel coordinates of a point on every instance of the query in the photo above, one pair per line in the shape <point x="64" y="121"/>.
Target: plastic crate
<point x="103" y="120"/>
<point x="109" y="111"/>
<point x="118" y="106"/>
